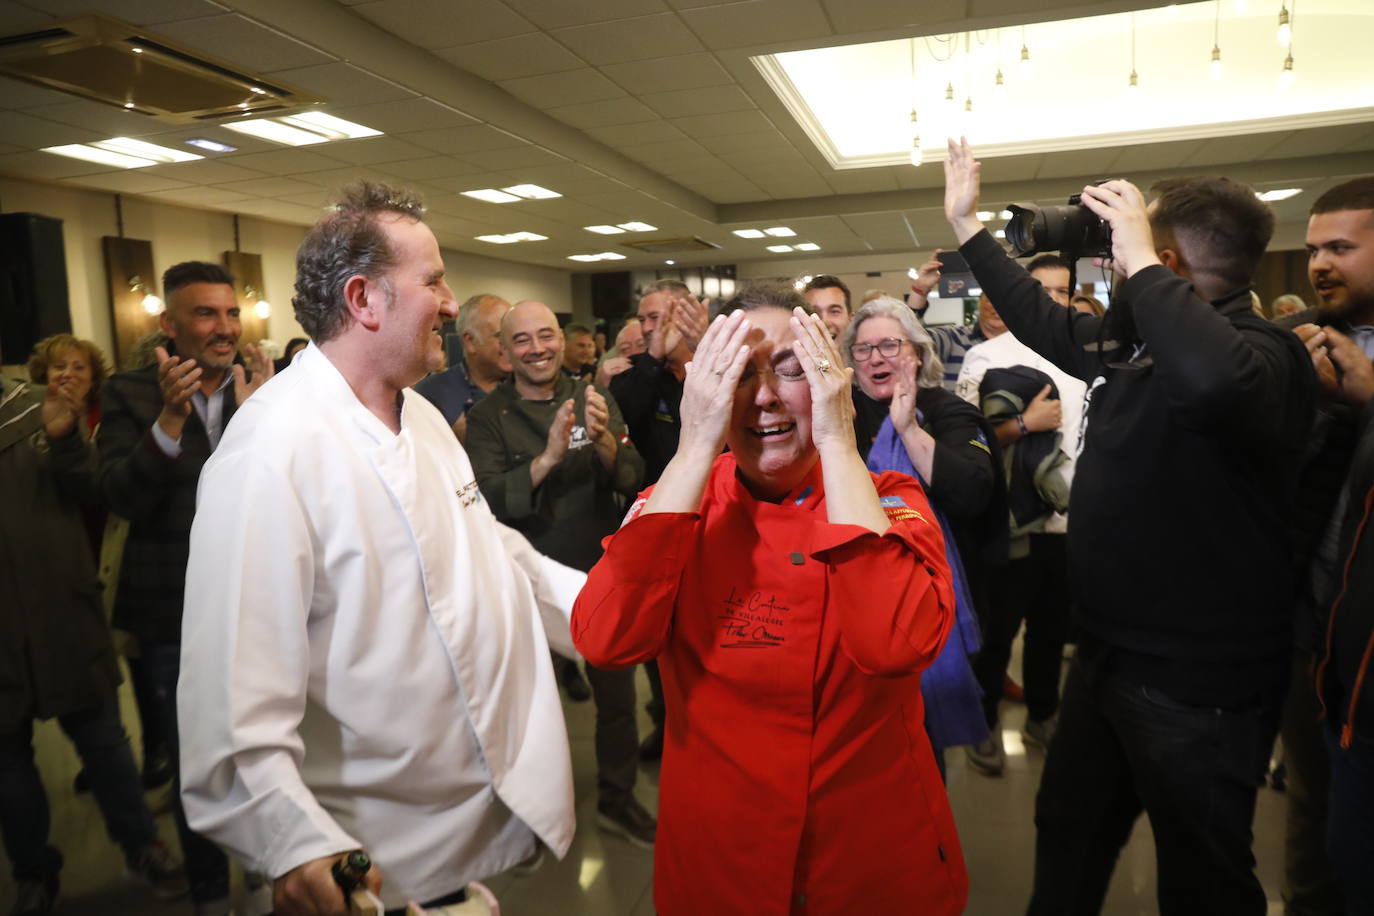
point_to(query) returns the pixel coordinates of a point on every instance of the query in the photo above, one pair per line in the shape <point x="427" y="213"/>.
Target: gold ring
<point x="823" y="364"/>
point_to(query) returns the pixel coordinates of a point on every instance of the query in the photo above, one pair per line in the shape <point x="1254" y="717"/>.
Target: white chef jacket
<point x="1005" y="351"/>
<point x="363" y="661"/>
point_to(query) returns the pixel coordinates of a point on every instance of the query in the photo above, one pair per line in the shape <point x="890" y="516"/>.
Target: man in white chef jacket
<point x="365" y="655"/>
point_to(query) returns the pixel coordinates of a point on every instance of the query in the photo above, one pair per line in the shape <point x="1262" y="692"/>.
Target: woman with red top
<point x="791" y="599"/>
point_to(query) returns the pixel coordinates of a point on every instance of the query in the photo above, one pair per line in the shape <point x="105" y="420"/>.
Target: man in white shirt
<point x="365" y="649"/>
<point x="1035" y="586"/>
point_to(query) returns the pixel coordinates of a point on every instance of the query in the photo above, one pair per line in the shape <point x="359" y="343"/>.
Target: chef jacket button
<point x="797" y="558"/>
<point x="801" y="900"/>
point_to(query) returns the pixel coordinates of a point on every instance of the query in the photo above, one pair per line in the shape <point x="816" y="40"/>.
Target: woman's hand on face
<point x="832" y="401"/>
<point x="708" y="392"/>
<point x="903" y="406"/>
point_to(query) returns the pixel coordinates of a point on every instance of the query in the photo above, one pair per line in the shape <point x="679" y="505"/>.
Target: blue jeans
<point x="103" y="746"/>
<point x="207" y="869"/>
<point x="1350" y="821"/>
<point x="1122" y="747"/>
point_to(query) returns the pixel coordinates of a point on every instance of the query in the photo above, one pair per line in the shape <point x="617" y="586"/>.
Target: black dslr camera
<point x="1074" y="231"/>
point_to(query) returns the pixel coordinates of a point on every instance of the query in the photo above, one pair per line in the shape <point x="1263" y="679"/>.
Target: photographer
<point x="1180" y="566"/>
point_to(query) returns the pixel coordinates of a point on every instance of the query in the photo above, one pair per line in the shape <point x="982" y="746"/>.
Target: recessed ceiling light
<point x="1279" y="194"/>
<point x="602" y="256"/>
<point x="611" y="256"/>
<point x="984" y="214"/>
<point x="604" y="229"/>
<point x="257" y="90"/>
<point x="637" y="227"/>
<point x="1005" y="214"/>
<point x="1000" y="234"/>
<point x="779" y="248"/>
<point x="531" y="192"/>
<point x="137" y="50"/>
<point x="781" y="232"/>
<point x="511" y="237"/>
<point x="211" y="145"/>
<point x="128" y="104"/>
<point x="303" y="129"/>
<point x="123" y="152"/>
<point x="491" y="196"/>
<point x="670" y="261"/>
<point x="749" y="233"/>
<point x="808" y="246"/>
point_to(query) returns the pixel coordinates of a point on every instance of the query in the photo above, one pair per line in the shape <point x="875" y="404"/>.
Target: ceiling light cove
<point x="857" y="101"/>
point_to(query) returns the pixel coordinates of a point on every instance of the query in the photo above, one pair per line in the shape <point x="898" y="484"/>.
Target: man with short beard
<point x="1338" y="332"/>
<point x="552" y="455"/>
<point x="158" y="427"/>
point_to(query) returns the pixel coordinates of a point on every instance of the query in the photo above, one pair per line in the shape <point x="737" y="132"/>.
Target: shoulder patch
<point x="897" y="510"/>
<point x="889" y="502"/>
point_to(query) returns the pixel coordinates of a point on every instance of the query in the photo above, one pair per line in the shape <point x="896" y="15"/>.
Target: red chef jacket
<point x="797" y="778"/>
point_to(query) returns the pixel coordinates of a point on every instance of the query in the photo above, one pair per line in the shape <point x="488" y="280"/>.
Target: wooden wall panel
<point x="130" y="277"/>
<point x="247" y="271"/>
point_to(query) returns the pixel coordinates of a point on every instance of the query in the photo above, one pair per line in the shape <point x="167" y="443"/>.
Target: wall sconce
<point x="261" y="307"/>
<point x="151" y="304"/>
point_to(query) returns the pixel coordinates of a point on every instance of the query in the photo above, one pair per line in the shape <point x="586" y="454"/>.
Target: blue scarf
<point x="953" y="699"/>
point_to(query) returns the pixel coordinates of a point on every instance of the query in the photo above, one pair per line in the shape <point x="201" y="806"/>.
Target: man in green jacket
<point x="553" y="458"/>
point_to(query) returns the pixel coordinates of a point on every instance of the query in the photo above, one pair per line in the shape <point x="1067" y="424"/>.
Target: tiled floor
<point x="605" y="876"/>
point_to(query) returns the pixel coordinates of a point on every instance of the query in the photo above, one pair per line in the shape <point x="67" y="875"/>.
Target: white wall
<point x="182" y="234"/>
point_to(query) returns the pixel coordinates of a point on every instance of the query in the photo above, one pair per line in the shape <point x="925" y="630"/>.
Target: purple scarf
<point x="953" y="699"/>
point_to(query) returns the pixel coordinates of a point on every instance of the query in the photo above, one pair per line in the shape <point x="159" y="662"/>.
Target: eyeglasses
<point x="889" y="347"/>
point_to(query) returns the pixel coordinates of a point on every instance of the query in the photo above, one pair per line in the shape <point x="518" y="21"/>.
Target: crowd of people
<point x="349" y="585"/>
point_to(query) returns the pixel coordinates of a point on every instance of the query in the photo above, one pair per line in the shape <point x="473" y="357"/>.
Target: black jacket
<point x="156" y="494"/>
<point x="650" y="397"/>
<point x="1182" y="497"/>
<point x="1350" y="639"/>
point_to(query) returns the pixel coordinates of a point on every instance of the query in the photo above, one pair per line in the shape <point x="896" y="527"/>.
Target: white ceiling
<point x="633" y="109"/>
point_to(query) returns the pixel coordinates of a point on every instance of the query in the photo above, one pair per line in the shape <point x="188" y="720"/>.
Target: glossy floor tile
<point x="603" y="875"/>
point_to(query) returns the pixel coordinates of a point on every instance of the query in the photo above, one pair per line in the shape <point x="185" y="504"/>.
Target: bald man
<point x="482" y="367"/>
<point x="552" y="456"/>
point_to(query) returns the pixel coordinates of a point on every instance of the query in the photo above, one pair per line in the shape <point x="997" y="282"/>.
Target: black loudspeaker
<point x="33" y="283"/>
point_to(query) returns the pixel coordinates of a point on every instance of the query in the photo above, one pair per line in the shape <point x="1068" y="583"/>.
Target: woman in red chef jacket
<point x="791" y="599"/>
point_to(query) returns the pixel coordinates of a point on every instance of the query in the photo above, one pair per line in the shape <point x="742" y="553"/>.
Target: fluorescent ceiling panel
<point x="637" y="227"/>
<point x="491" y="196"/>
<point x="779" y="248"/>
<point x="808" y="246"/>
<point x="855" y="101"/>
<point x="275" y="131"/>
<point x="604" y="230"/>
<point x="101" y="156"/>
<point x="531" y="192"/>
<point x="781" y="232"/>
<point x="146" y="150"/>
<point x="749" y="233"/>
<point x="1279" y="194"/>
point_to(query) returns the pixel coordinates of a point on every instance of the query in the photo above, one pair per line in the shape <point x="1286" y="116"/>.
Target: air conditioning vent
<point x="669" y="246"/>
<point x="105" y="60"/>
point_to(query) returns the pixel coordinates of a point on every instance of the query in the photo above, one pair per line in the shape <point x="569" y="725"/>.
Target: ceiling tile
<point x="287" y="161"/>
<point x="19" y="94"/>
<point x="463" y="140"/>
<point x="268" y="187"/>
<point x="1002" y="168"/>
<point x="556" y="14"/>
<point x="661" y="35"/>
<point x="1152" y="156"/>
<point x="404" y="115"/>
<point x="433" y="167"/>
<point x="861" y="181"/>
<point x="344" y="81"/>
<point x="884" y="15"/>
<point x="696" y="4"/>
<point x="1226" y="150"/>
<point x="36" y="133"/>
<point x="1317" y="141"/>
<point x="373" y="150"/>
<point x="681" y="103"/>
<point x="520" y="157"/>
<point x="132" y="181"/>
<point x="667" y="151"/>
<point x="36" y="164"/>
<point x="333" y="179"/>
<point x="729" y="122"/>
<point x="663" y="74"/>
<point x="443" y="24"/>
<point x="637" y="134"/>
<point x="758" y="22"/>
<point x="776" y="159"/>
<point x="246" y="44"/>
<point x="205" y="171"/>
<point x="732" y="142"/>
<point x="1075" y="163"/>
<point x="272" y="208"/>
<point x="199" y="197"/>
<point x="603" y="114"/>
<point x="508" y="58"/>
<point x="571" y="87"/>
<point x="793" y="185"/>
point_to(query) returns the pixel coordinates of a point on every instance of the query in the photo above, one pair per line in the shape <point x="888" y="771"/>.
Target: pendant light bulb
<point x="1285" y="27"/>
<point x="1286" y="74"/>
<point x="1215" y="66"/>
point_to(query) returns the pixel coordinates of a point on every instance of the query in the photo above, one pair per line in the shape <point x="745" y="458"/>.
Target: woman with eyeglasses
<point x="944" y="442"/>
<point x="791" y="598"/>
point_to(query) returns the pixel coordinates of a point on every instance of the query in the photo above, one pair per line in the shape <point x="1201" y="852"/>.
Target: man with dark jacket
<point x="1340" y="337"/>
<point x="553" y="459"/>
<point x="1197" y="416"/>
<point x="56" y="658"/>
<point x="158" y="427"/>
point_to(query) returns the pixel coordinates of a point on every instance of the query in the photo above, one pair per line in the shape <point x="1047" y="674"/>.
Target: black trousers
<point x="617" y="734"/>
<point x="1034" y="588"/>
<point x="1123" y="746"/>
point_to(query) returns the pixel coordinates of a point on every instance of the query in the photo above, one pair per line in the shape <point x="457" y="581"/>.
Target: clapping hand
<point x="263" y="370"/>
<point x="1343" y="371"/>
<point x="902" y="409"/>
<point x="963" y="184"/>
<point x="691" y="318"/>
<point x="61" y="410"/>
<point x="178" y="380"/>
<point x="927" y="277"/>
